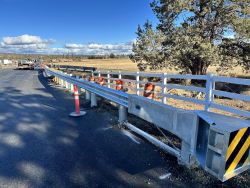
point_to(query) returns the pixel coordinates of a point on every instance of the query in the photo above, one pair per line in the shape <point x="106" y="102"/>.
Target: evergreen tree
<point x="197" y="42"/>
<point x="73" y="57"/>
<point x="148" y="48"/>
<point x="112" y="55"/>
<point x="67" y="56"/>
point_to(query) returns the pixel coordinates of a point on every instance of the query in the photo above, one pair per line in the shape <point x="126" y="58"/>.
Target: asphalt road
<point x="41" y="146"/>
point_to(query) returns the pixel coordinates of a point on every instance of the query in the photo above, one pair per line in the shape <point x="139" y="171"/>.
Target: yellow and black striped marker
<point x="238" y="149"/>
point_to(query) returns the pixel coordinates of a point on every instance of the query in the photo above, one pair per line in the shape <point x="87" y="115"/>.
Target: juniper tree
<point x="196" y="43"/>
<point x="112" y="55"/>
<point x="237" y="48"/>
<point x="148" y="51"/>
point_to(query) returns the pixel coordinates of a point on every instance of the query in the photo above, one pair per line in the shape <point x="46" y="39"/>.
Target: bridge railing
<point x="209" y="89"/>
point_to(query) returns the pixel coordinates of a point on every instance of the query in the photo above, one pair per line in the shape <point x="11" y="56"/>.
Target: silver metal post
<point x="66" y="83"/>
<point x="93" y="100"/>
<point x="123" y="111"/>
<point x="71" y="85"/>
<point x="209" y="88"/>
<point x="164" y="88"/>
<point x="62" y="81"/>
<point x="120" y="75"/>
<point x="137" y="84"/>
<point x="108" y="76"/>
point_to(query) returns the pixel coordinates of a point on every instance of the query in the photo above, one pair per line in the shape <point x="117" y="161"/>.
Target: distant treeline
<point x="50" y="57"/>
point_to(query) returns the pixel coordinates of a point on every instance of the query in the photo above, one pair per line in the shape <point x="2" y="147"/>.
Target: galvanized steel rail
<point x="111" y="94"/>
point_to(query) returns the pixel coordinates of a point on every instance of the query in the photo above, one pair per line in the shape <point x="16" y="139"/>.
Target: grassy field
<point x="7" y="66"/>
<point x="128" y="65"/>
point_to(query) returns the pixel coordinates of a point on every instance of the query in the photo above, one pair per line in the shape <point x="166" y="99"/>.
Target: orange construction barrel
<point x="149" y="90"/>
<point x="100" y="81"/>
<point x="119" y="84"/>
<point x="92" y="79"/>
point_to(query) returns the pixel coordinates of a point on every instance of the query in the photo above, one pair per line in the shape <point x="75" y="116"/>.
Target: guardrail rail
<point x="208" y="139"/>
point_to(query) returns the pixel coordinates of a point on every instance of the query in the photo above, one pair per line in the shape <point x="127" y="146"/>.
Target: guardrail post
<point x="137" y="83"/>
<point x="108" y="76"/>
<point x="123" y="111"/>
<point x="93" y="100"/>
<point x="99" y="74"/>
<point x="93" y="96"/>
<point x="164" y="87"/>
<point x="62" y="81"/>
<point x="66" y="83"/>
<point x="87" y="93"/>
<point x="120" y="75"/>
<point x="209" y="89"/>
<point x="71" y="85"/>
<point x="92" y="74"/>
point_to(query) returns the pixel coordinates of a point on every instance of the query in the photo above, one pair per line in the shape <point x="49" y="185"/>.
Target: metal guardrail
<point x="77" y="68"/>
<point x="113" y="95"/>
<point x="118" y="97"/>
<point x="208" y="139"/>
<point x="209" y="90"/>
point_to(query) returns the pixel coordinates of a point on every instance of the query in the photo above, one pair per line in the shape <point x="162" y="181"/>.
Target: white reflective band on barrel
<point x="76" y="92"/>
<point x="76" y="97"/>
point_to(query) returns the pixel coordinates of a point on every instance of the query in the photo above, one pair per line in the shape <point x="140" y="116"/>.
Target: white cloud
<point x="74" y="46"/>
<point x="34" y="44"/>
<point x="26" y="39"/>
<point x="50" y="41"/>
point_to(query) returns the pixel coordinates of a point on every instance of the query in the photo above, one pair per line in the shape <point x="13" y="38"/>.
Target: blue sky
<point x="71" y="26"/>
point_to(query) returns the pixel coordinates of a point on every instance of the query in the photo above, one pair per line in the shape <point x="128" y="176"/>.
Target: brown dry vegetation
<point x="128" y="65"/>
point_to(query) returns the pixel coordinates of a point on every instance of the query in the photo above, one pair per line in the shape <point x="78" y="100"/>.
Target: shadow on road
<point x="41" y="146"/>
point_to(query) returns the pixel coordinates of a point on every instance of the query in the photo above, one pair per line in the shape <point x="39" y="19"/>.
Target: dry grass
<point x="128" y="65"/>
<point x="7" y="66"/>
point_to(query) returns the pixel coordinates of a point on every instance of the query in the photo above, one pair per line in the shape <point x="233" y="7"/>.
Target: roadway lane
<point x="41" y="146"/>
